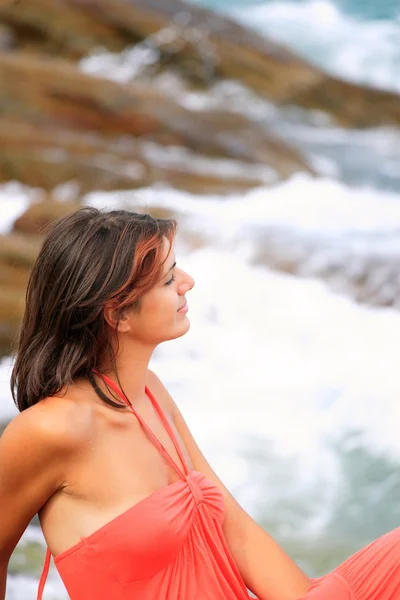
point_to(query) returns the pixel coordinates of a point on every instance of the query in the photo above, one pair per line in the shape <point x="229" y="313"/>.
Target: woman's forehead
<point x="168" y="254"/>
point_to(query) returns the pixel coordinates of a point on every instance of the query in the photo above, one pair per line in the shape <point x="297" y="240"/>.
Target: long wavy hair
<point x="87" y="259"/>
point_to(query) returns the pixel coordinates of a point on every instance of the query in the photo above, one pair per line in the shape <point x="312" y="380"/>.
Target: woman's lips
<point x="183" y="308"/>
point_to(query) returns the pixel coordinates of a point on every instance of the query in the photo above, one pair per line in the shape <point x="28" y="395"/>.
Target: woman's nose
<point x="187" y="282"/>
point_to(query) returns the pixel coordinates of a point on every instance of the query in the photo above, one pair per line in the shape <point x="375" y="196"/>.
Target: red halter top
<point x="168" y="546"/>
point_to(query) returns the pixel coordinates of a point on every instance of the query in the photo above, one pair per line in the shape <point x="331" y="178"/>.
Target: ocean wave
<point x="14" y="199"/>
<point x="361" y="50"/>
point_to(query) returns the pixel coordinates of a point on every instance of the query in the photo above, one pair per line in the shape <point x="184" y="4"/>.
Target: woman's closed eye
<point x="170" y="280"/>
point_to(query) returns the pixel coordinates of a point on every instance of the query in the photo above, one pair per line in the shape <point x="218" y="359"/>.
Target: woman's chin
<point x="181" y="328"/>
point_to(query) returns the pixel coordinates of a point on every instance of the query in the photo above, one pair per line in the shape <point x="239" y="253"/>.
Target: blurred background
<point x="270" y="130"/>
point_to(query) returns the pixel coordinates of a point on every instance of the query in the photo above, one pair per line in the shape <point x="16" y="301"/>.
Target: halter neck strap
<point x="44" y="575"/>
<point x="147" y="429"/>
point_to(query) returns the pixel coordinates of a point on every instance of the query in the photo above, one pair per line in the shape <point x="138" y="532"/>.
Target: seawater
<point x="355" y="39"/>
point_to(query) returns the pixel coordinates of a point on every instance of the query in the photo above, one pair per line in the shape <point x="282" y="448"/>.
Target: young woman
<point x="129" y="507"/>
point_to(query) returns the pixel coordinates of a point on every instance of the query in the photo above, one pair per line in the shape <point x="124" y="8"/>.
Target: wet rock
<point x="6" y="38"/>
<point x="40" y="215"/>
<point x="45" y="156"/>
<point x="17" y="255"/>
<point x="369" y="275"/>
<point x="18" y="251"/>
<point x="13" y="275"/>
<point x="201" y="45"/>
<point x="12" y="303"/>
<point x="53" y="94"/>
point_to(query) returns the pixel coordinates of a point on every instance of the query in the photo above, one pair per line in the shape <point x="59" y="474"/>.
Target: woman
<point x="128" y="504"/>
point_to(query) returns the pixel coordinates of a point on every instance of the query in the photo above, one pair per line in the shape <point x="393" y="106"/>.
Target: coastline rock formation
<point x="86" y="126"/>
<point x="201" y="45"/>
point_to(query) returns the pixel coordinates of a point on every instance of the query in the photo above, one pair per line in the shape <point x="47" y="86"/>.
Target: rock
<point x="200" y="44"/>
<point x="46" y="156"/>
<point x="369" y="275"/>
<point x="18" y="251"/>
<point x="12" y="303"/>
<point x="17" y="255"/>
<point x="60" y="27"/>
<point x="55" y="96"/>
<point x="6" y="38"/>
<point x="13" y="275"/>
<point x="51" y="92"/>
<point x="40" y="215"/>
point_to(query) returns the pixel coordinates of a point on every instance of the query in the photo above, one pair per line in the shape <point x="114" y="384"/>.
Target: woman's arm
<point x="33" y="452"/>
<point x="266" y="569"/>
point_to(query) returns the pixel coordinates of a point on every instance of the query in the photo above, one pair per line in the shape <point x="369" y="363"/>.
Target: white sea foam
<point x="21" y="587"/>
<point x="122" y="67"/>
<point x="356" y="49"/>
<point x="301" y="202"/>
<point x="14" y="199"/>
<point x="7" y="407"/>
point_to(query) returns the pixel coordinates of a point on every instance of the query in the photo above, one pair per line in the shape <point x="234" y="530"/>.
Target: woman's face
<point x="162" y="314"/>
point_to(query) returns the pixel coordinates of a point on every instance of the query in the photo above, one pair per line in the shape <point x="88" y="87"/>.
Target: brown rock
<point x="13" y="275"/>
<point x="40" y="215"/>
<point x="11" y="307"/>
<point x="206" y="46"/>
<point x="17" y="256"/>
<point x="42" y="25"/>
<point x="12" y="303"/>
<point x="18" y="251"/>
<point x="60" y="124"/>
<point x="54" y="93"/>
<point x="46" y="156"/>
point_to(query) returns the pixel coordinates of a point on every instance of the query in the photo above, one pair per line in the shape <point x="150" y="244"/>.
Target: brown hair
<point x="87" y="259"/>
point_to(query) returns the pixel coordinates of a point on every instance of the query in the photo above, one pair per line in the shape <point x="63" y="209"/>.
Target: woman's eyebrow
<point x="172" y="267"/>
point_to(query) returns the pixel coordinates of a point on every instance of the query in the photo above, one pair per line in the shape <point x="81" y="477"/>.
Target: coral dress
<point x="171" y="546"/>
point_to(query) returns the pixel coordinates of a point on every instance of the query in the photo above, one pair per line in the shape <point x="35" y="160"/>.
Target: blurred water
<point x="355" y="39"/>
<point x="367" y="9"/>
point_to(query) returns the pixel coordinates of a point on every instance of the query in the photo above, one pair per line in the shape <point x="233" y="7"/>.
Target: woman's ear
<point x="116" y="318"/>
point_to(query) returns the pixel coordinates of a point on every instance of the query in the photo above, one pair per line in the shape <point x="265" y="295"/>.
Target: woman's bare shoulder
<point x="54" y="423"/>
<point x="35" y="450"/>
